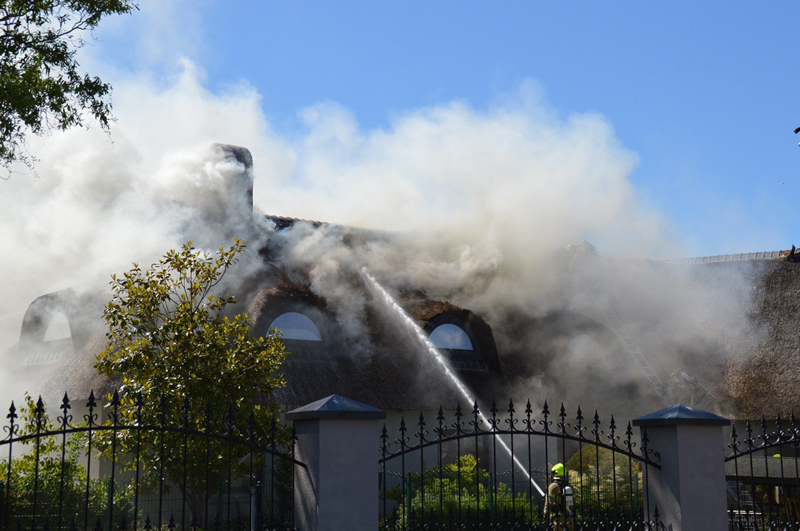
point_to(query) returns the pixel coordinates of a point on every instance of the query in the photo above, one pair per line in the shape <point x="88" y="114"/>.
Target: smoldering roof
<point x="749" y="376"/>
<point x="393" y="374"/>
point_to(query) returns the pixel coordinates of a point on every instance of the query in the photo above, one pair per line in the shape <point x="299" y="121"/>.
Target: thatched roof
<point x="389" y="369"/>
<point x="766" y="379"/>
<point x="385" y="366"/>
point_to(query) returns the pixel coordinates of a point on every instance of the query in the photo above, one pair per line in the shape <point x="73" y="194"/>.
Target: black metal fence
<point x="473" y="471"/>
<point x="763" y="476"/>
<point x="132" y="465"/>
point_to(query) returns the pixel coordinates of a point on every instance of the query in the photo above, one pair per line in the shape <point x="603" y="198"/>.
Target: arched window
<point x="297" y="326"/>
<point x="451" y="337"/>
<point x="57" y="328"/>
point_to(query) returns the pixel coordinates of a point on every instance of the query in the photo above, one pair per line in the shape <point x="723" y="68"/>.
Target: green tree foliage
<point x="171" y="337"/>
<point x="61" y="486"/>
<point x="616" y="474"/>
<point x="41" y="87"/>
<point x="437" y="490"/>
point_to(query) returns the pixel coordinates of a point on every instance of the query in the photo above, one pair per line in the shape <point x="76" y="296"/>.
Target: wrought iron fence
<point x="763" y="476"/>
<point x="493" y="472"/>
<point x="145" y="466"/>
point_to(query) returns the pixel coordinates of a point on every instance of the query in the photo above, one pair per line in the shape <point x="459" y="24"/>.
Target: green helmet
<point x="558" y="470"/>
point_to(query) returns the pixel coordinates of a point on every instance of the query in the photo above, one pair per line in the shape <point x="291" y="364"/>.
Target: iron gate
<point x="145" y="466"/>
<point x="492" y="472"/>
<point x="763" y="482"/>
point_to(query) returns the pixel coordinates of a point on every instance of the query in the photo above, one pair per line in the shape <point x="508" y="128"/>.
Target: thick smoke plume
<point x="471" y="205"/>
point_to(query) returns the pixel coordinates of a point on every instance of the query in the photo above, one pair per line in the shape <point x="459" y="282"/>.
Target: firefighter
<point x="560" y="504"/>
<point x="688" y="388"/>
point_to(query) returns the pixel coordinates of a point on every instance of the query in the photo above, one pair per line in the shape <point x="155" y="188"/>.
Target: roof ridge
<point x="735" y="257"/>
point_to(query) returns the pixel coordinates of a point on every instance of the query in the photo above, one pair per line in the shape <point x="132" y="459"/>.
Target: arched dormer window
<point x="57" y="328"/>
<point x="451" y="337"/>
<point x="297" y="326"/>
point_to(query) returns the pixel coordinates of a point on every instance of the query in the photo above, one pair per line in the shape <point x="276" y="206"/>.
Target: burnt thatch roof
<point x="385" y="366"/>
<point x="765" y="379"/>
<point x="390" y="369"/>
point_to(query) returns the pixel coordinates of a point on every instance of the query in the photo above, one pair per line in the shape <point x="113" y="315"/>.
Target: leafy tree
<point x="40" y="85"/>
<point x="61" y="488"/>
<point x="177" y="352"/>
<point x="442" y="495"/>
<point x="597" y="473"/>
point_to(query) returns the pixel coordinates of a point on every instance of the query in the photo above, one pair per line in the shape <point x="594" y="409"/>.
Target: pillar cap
<point x="681" y="415"/>
<point x="336" y="407"/>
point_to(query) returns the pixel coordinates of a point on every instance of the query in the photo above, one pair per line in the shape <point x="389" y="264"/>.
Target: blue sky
<point x="704" y="93"/>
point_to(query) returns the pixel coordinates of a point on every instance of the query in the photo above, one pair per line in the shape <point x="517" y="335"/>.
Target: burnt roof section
<point x="284" y="222"/>
<point x="391" y="370"/>
<point x="763" y="379"/>
<point x="348" y="232"/>
<point x="286" y="288"/>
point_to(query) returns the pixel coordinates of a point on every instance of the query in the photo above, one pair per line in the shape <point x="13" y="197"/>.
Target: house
<point x="512" y="354"/>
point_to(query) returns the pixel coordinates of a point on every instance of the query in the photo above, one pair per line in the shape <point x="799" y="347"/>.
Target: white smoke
<point x="481" y="198"/>
<point x="477" y="199"/>
<point x="99" y="203"/>
<point x="478" y="190"/>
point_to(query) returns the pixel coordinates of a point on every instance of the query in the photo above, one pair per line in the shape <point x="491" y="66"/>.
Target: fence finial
<point x="612" y="436"/>
<point x="597" y="432"/>
<point x="629" y="444"/>
<point x="421" y="425"/>
<point x="458" y="424"/>
<point x="734" y="439"/>
<point x="579" y="429"/>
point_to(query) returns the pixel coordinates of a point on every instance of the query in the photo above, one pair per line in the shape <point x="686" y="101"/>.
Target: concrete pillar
<point x="689" y="490"/>
<point x="338" y="440"/>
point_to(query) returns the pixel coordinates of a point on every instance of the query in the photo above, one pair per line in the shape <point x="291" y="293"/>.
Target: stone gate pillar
<point x="338" y="440"/>
<point x="689" y="490"/>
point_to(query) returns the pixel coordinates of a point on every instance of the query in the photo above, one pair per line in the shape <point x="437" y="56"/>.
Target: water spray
<point x="443" y="363"/>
